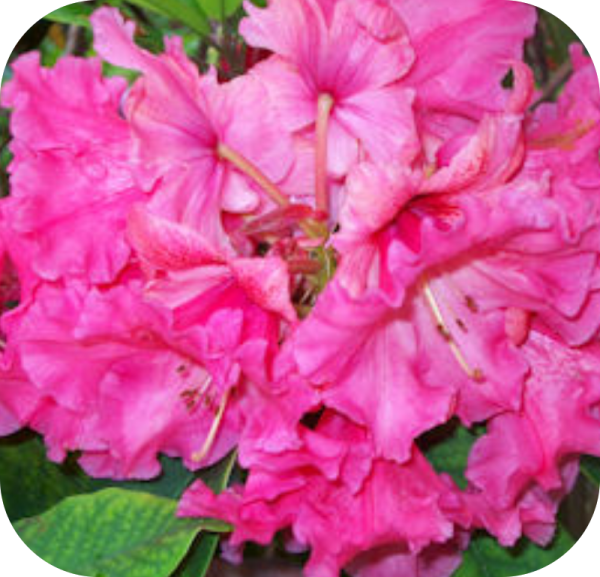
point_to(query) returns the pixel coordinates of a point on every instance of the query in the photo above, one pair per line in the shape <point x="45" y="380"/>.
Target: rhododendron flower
<point x="195" y="273"/>
<point x="72" y="171"/>
<point x="196" y="133"/>
<point x="414" y="506"/>
<point x="534" y="449"/>
<point x="139" y="389"/>
<point x="335" y="73"/>
<point x="435" y="288"/>
<point x="374" y="234"/>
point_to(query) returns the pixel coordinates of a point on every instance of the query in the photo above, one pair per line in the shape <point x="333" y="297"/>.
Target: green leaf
<point x="203" y="550"/>
<point x="31" y="484"/>
<point x="590" y="467"/>
<point x="188" y="12"/>
<point x="448" y="448"/>
<point x="558" y="37"/>
<point x="218" y="9"/>
<point x="198" y="562"/>
<point x="113" y="533"/>
<point x="486" y="558"/>
<point x="77" y="14"/>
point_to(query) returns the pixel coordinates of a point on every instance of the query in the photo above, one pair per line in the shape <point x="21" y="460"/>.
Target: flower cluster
<point x="365" y="236"/>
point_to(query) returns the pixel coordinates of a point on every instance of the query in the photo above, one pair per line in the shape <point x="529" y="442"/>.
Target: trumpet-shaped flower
<point x="196" y="134"/>
<point x="122" y="385"/>
<point x="72" y="171"/>
<point x="335" y="73"/>
<point x="436" y="285"/>
<point x="529" y="458"/>
<point x="415" y="507"/>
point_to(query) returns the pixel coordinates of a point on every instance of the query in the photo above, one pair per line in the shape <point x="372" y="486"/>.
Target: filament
<point x="214" y="429"/>
<point x="474" y="373"/>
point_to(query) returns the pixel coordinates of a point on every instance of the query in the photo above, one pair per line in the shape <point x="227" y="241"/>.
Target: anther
<point x="471" y="304"/>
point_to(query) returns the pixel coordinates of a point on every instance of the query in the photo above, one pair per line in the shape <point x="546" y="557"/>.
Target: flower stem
<point x="324" y="107"/>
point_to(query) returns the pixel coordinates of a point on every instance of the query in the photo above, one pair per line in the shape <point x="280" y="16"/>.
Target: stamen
<point x="563" y="140"/>
<point x="251" y="170"/>
<point x="214" y="429"/>
<point x="324" y="107"/>
<point x="205" y="385"/>
<point x="474" y="373"/>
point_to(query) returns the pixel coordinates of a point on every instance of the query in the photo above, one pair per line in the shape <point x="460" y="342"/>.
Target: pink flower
<point x="412" y="307"/>
<point x="315" y="263"/>
<point x="335" y="72"/>
<point x="437" y="283"/>
<point x="123" y="384"/>
<point x="563" y="140"/>
<point x="196" y="135"/>
<point x="462" y="53"/>
<point x="406" y="506"/>
<point x="71" y="173"/>
<point x="530" y="457"/>
<point x="193" y="275"/>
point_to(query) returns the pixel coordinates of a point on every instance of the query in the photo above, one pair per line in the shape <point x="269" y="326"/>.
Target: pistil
<point x="310" y="227"/>
<point x="252" y="171"/>
<point x="324" y="108"/>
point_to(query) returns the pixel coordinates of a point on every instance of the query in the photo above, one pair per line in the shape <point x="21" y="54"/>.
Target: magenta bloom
<point x="437" y="282"/>
<point x="313" y="266"/>
<point x="335" y="72"/>
<point x="194" y="133"/>
<point x="528" y="459"/>
<point x="72" y="171"/>
<point x="129" y="385"/>
<point x="338" y="524"/>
